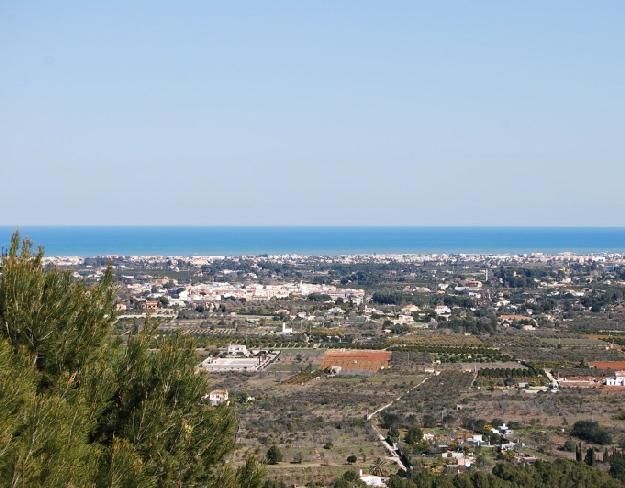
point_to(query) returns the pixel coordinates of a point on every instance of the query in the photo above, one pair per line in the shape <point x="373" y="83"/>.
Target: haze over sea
<point x="186" y="241"/>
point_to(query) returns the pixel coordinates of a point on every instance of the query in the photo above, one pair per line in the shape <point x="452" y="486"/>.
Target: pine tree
<point x="250" y="475"/>
<point x="274" y="455"/>
<point x="78" y="407"/>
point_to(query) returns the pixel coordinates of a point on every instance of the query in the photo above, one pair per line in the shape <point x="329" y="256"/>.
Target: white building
<point x="504" y="429"/>
<point x="509" y="446"/>
<point x="410" y="309"/>
<point x="404" y="320"/>
<point x="218" y="397"/>
<point x="371" y="480"/>
<point x="617" y="380"/>
<point x="254" y="361"/>
<point x="442" y="310"/>
<point x="238" y="350"/>
<point x="477" y="439"/>
<point x="459" y="459"/>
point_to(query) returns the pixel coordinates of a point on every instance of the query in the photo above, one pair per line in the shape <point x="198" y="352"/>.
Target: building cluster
<point x="162" y="292"/>
<point x="604" y="374"/>
<point x="370" y="295"/>
<point x="458" y="449"/>
<point x="237" y="357"/>
<point x="179" y="262"/>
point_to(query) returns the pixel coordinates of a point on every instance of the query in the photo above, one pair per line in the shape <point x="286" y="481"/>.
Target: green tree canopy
<point x="82" y="407"/>
<point x="274" y="455"/>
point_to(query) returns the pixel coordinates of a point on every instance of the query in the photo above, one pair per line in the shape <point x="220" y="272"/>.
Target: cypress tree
<point x="590" y="456"/>
<point x="578" y="452"/>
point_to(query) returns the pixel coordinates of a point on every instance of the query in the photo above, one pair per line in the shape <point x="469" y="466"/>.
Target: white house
<point x="410" y="309"/>
<point x="371" y="480"/>
<point x="404" y="319"/>
<point x="442" y="310"/>
<point x="617" y="380"/>
<point x="466" y="462"/>
<point x="459" y="459"/>
<point x="509" y="446"/>
<point x="453" y="455"/>
<point x="477" y="439"/>
<point x="217" y="397"/>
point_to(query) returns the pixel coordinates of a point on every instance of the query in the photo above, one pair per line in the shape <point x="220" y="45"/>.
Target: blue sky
<point x="312" y="113"/>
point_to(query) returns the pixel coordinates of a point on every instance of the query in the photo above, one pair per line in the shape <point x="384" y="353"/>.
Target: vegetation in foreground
<point x="79" y="407"/>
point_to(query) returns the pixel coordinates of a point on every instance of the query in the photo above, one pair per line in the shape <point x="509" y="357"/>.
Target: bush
<point x="617" y="467"/>
<point x="274" y="455"/>
<point x="569" y="446"/>
<point x="413" y="436"/>
<point x="429" y="420"/>
<point x="591" y="432"/>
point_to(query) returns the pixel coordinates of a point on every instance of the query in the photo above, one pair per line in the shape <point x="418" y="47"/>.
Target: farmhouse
<point x="371" y="480"/>
<point x="617" y="380"/>
<point x="579" y="382"/>
<point x="506" y="320"/>
<point x="442" y="310"/>
<point x="241" y="360"/>
<point x="218" y="397"/>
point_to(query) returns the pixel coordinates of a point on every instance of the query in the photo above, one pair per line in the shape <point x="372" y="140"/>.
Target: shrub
<point x="590" y="431"/>
<point x="274" y="455"/>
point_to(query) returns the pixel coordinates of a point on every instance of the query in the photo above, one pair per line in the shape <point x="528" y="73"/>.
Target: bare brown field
<point x="356" y="361"/>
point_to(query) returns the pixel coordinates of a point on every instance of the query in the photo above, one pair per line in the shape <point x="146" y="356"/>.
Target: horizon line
<point x="315" y="226"/>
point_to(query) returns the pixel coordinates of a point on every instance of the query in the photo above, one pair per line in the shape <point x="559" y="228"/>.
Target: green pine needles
<point x="80" y="407"/>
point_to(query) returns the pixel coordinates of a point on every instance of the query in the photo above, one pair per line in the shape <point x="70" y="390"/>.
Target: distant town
<point x="388" y="363"/>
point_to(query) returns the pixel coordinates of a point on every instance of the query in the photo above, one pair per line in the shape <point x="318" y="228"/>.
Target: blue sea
<point x="186" y="241"/>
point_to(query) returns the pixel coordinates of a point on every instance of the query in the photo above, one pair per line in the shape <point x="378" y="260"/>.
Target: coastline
<point x="318" y="241"/>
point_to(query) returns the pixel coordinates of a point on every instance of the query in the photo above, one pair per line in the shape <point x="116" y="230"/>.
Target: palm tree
<point x="377" y="468"/>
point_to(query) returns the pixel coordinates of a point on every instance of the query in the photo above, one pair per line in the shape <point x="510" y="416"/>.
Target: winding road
<point x="393" y="453"/>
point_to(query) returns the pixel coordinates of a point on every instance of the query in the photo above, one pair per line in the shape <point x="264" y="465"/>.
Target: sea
<point x="233" y="241"/>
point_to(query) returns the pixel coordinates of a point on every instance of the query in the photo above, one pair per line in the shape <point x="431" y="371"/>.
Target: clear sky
<point x="312" y="112"/>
